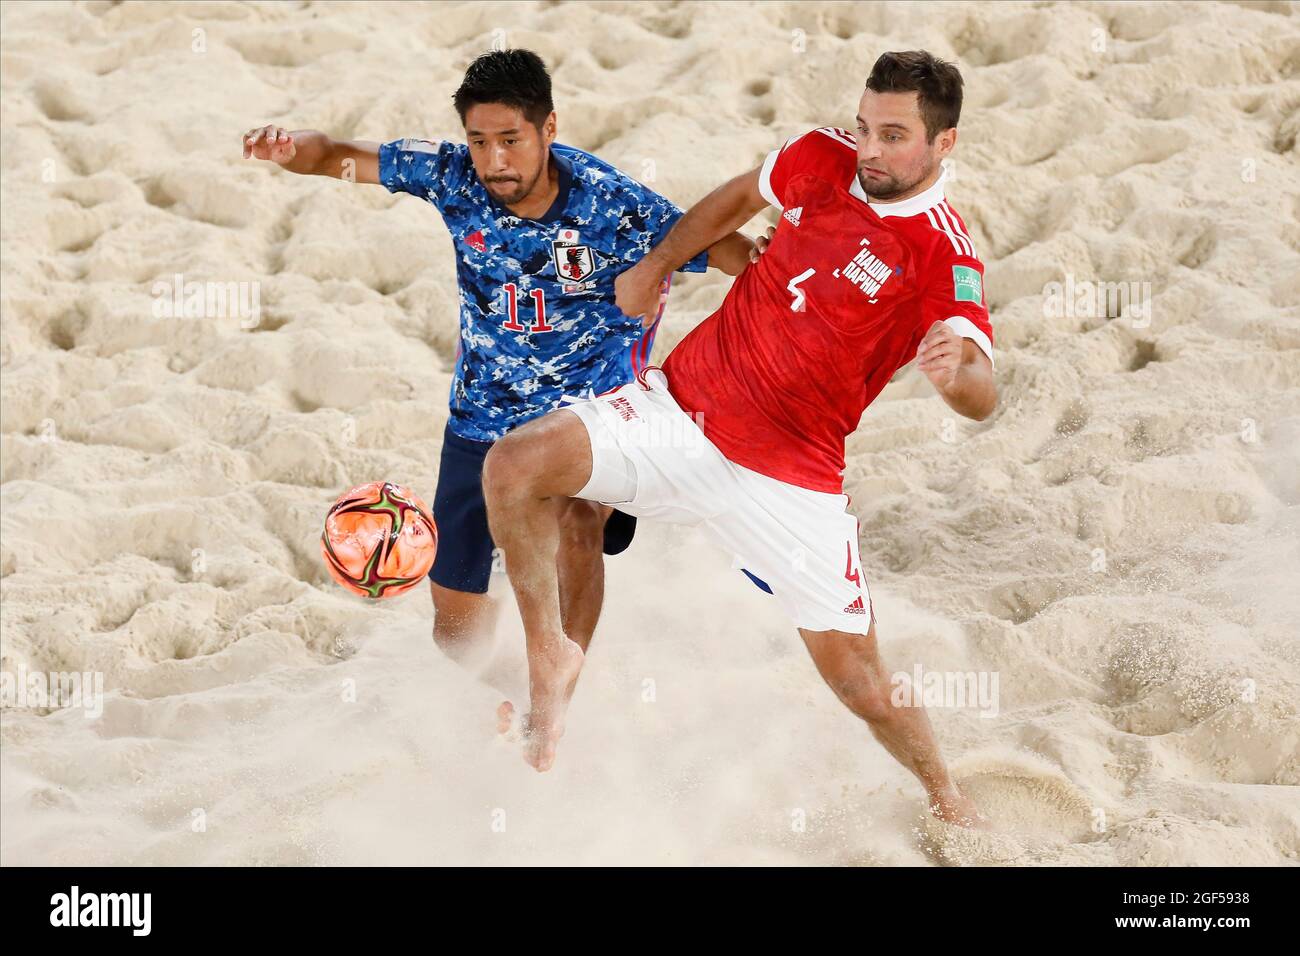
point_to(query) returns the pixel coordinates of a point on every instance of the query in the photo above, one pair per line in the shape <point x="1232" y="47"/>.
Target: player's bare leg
<point x="526" y="476"/>
<point x="851" y="665"/>
<point x="581" y="566"/>
<point x="462" y="621"/>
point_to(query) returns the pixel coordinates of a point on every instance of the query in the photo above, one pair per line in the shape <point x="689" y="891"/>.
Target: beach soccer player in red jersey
<point x="742" y="432"/>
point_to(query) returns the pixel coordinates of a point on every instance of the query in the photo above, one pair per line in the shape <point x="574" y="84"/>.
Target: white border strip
<point x="765" y="178"/>
<point x="969" y="330"/>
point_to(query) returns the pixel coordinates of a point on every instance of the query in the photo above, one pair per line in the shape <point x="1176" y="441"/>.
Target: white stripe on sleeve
<point x="961" y="231"/>
<point x="929" y="214"/>
<point x="963" y="245"/>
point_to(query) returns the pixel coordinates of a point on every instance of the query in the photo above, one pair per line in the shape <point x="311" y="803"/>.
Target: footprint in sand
<point x="1032" y="808"/>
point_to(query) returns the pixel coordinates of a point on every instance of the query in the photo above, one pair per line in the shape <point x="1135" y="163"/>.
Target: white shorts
<point x="651" y="460"/>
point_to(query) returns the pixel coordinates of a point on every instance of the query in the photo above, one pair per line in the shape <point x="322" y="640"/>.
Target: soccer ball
<point x="379" y="540"/>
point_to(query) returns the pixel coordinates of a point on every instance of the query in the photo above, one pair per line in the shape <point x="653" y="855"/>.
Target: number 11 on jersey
<point x="539" y="310"/>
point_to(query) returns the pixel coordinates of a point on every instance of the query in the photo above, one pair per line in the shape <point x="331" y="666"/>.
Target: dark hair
<point x="516" y="78"/>
<point x="936" y="83"/>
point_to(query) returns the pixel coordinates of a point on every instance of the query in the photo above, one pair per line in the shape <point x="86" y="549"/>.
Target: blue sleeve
<point x="665" y="217"/>
<point x="421" y="167"/>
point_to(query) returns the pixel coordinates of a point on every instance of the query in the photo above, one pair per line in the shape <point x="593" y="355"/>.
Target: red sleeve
<point x="827" y="152"/>
<point x="954" y="293"/>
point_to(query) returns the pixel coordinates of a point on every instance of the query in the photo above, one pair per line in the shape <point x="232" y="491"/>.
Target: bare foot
<point x="551" y="678"/>
<point x="506" y="719"/>
<point x="953" y="806"/>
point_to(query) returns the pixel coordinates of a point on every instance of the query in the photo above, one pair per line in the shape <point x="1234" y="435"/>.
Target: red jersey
<point x="809" y="335"/>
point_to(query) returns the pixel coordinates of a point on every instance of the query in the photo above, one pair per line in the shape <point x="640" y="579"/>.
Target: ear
<point x="945" y="141"/>
<point x="548" y="129"/>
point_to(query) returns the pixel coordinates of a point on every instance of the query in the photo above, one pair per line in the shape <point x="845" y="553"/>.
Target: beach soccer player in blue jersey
<point x="540" y="231"/>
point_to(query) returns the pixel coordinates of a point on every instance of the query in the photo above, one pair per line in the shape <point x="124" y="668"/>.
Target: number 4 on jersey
<point x="793" y="287"/>
<point x="539" y="310"/>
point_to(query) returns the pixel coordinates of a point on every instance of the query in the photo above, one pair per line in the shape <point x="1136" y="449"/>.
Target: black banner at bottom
<point x="333" y="906"/>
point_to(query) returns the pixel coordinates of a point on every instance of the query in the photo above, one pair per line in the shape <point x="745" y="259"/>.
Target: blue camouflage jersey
<point x="537" y="315"/>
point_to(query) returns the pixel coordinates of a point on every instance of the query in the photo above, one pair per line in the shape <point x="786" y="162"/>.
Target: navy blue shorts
<point x="464" y="559"/>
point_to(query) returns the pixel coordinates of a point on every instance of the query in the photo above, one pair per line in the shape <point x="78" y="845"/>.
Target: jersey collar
<point x="911" y="206"/>
<point x="564" y="185"/>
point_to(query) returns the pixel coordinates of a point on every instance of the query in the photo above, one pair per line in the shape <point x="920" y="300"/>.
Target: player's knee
<point x="459" y="617"/>
<point x="449" y="633"/>
<point x="507" y="470"/>
<point x="853" y="670"/>
<point x="875" y="703"/>
<point x="864" y="693"/>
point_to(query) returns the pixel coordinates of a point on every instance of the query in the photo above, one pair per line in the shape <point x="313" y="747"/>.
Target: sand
<point x="1117" y="545"/>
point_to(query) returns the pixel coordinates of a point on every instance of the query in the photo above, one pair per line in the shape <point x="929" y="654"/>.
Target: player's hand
<point x="640" y="294"/>
<point x="270" y="142"/>
<point x="761" y="244"/>
<point x="939" y="355"/>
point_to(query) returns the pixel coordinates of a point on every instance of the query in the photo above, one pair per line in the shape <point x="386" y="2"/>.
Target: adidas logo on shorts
<point x="792" y="215"/>
<point x="856" y="607"/>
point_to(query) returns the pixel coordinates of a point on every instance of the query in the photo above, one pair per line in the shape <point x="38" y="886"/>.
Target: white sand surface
<point x="1118" y="543"/>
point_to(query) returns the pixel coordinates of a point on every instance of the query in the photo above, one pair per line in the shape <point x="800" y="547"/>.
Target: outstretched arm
<point x="312" y="153"/>
<point x="705" y="226"/>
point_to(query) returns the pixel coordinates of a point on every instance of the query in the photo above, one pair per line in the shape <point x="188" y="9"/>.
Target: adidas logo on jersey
<point x="792" y="215"/>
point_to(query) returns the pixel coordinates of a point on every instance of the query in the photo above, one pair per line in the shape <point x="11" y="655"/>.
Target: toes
<point x="532" y="755"/>
<point x="505" y="718"/>
<point x="545" y="755"/>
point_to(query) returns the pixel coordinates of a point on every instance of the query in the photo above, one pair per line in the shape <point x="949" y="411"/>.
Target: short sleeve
<point x="659" y="219"/>
<point x="777" y="170"/>
<point x="954" y="295"/>
<point x="421" y="167"/>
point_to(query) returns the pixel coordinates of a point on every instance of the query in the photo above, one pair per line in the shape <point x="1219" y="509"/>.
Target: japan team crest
<point x="573" y="262"/>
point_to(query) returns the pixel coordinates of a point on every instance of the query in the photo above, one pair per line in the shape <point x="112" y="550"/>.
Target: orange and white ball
<point x="379" y="540"/>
